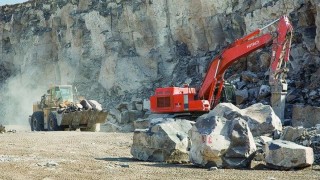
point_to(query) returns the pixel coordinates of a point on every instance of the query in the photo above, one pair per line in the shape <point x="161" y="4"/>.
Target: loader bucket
<point x="83" y="118"/>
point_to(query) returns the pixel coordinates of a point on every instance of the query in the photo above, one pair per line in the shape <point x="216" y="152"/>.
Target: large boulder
<point x="242" y="147"/>
<point x="284" y="155"/>
<point x="165" y="141"/>
<point x="216" y="141"/>
<point x="261" y="118"/>
<point x="224" y="109"/>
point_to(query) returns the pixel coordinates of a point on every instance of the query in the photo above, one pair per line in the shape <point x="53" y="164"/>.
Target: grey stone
<point x="148" y="122"/>
<point x="95" y="105"/>
<point x="313" y="94"/>
<point x="253" y="93"/>
<point x="241" y="96"/>
<point x="261" y="118"/>
<point x="277" y="134"/>
<point x="114" y="115"/>
<point x="285" y="155"/>
<point x="265" y="139"/>
<point x="306" y="116"/>
<point x="240" y="84"/>
<point x="125" y="165"/>
<point x="224" y="109"/>
<point x="249" y="76"/>
<point x="48" y="164"/>
<point x="141" y="124"/>
<point x="264" y="91"/>
<point x="166" y="141"/>
<point x="242" y="147"/>
<point x="292" y="133"/>
<point x="216" y="141"/>
<point x="129" y="116"/>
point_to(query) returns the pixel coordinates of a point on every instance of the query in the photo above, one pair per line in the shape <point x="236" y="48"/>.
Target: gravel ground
<point x="89" y="155"/>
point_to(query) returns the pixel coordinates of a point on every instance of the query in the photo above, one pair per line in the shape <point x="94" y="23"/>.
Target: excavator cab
<point x="184" y="99"/>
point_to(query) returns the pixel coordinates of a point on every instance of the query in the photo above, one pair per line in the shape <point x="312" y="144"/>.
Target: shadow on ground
<point x="147" y="163"/>
<point x="118" y="159"/>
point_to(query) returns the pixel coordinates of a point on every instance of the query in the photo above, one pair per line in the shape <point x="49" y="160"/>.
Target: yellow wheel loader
<point x="58" y="110"/>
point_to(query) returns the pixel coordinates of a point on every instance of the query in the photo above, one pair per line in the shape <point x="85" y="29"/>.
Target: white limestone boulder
<point x="166" y="141"/>
<point x="216" y="141"/>
<point x="260" y="118"/>
<point x="285" y="155"/>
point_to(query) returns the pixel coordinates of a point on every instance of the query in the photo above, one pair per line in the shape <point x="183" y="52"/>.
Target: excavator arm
<point x="281" y="39"/>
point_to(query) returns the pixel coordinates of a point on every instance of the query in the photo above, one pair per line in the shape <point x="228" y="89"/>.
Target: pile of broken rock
<point x="227" y="137"/>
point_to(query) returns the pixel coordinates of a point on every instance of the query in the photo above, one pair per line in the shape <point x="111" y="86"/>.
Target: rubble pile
<point x="123" y="117"/>
<point x="252" y="88"/>
<point x="226" y="137"/>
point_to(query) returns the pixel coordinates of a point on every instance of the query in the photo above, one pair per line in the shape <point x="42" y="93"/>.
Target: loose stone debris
<point x="48" y="164"/>
<point x="2" y="129"/>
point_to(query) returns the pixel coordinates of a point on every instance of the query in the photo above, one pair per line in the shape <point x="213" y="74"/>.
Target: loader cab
<point x="59" y="94"/>
<point x="62" y="93"/>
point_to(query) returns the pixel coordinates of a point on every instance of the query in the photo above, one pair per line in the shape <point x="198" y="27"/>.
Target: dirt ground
<point x="88" y="155"/>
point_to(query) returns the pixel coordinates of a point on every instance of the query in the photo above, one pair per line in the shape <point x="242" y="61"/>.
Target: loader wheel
<point x="37" y="121"/>
<point x="94" y="128"/>
<point x="52" y="122"/>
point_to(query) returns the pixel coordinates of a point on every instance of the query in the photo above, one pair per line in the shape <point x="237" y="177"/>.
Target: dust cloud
<point x="18" y="94"/>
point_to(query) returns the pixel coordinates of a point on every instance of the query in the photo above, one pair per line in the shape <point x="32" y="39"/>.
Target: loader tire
<point x="94" y="128"/>
<point x="52" y="122"/>
<point x="37" y="121"/>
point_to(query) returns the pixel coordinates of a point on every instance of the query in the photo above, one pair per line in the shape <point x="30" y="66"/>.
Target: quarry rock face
<point x="216" y="141"/>
<point x="166" y="141"/>
<point x="122" y="50"/>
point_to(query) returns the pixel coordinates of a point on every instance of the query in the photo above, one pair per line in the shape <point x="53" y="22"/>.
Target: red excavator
<point x="187" y="99"/>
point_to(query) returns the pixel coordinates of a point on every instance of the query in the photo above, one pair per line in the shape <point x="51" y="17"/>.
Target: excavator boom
<point x="175" y="99"/>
